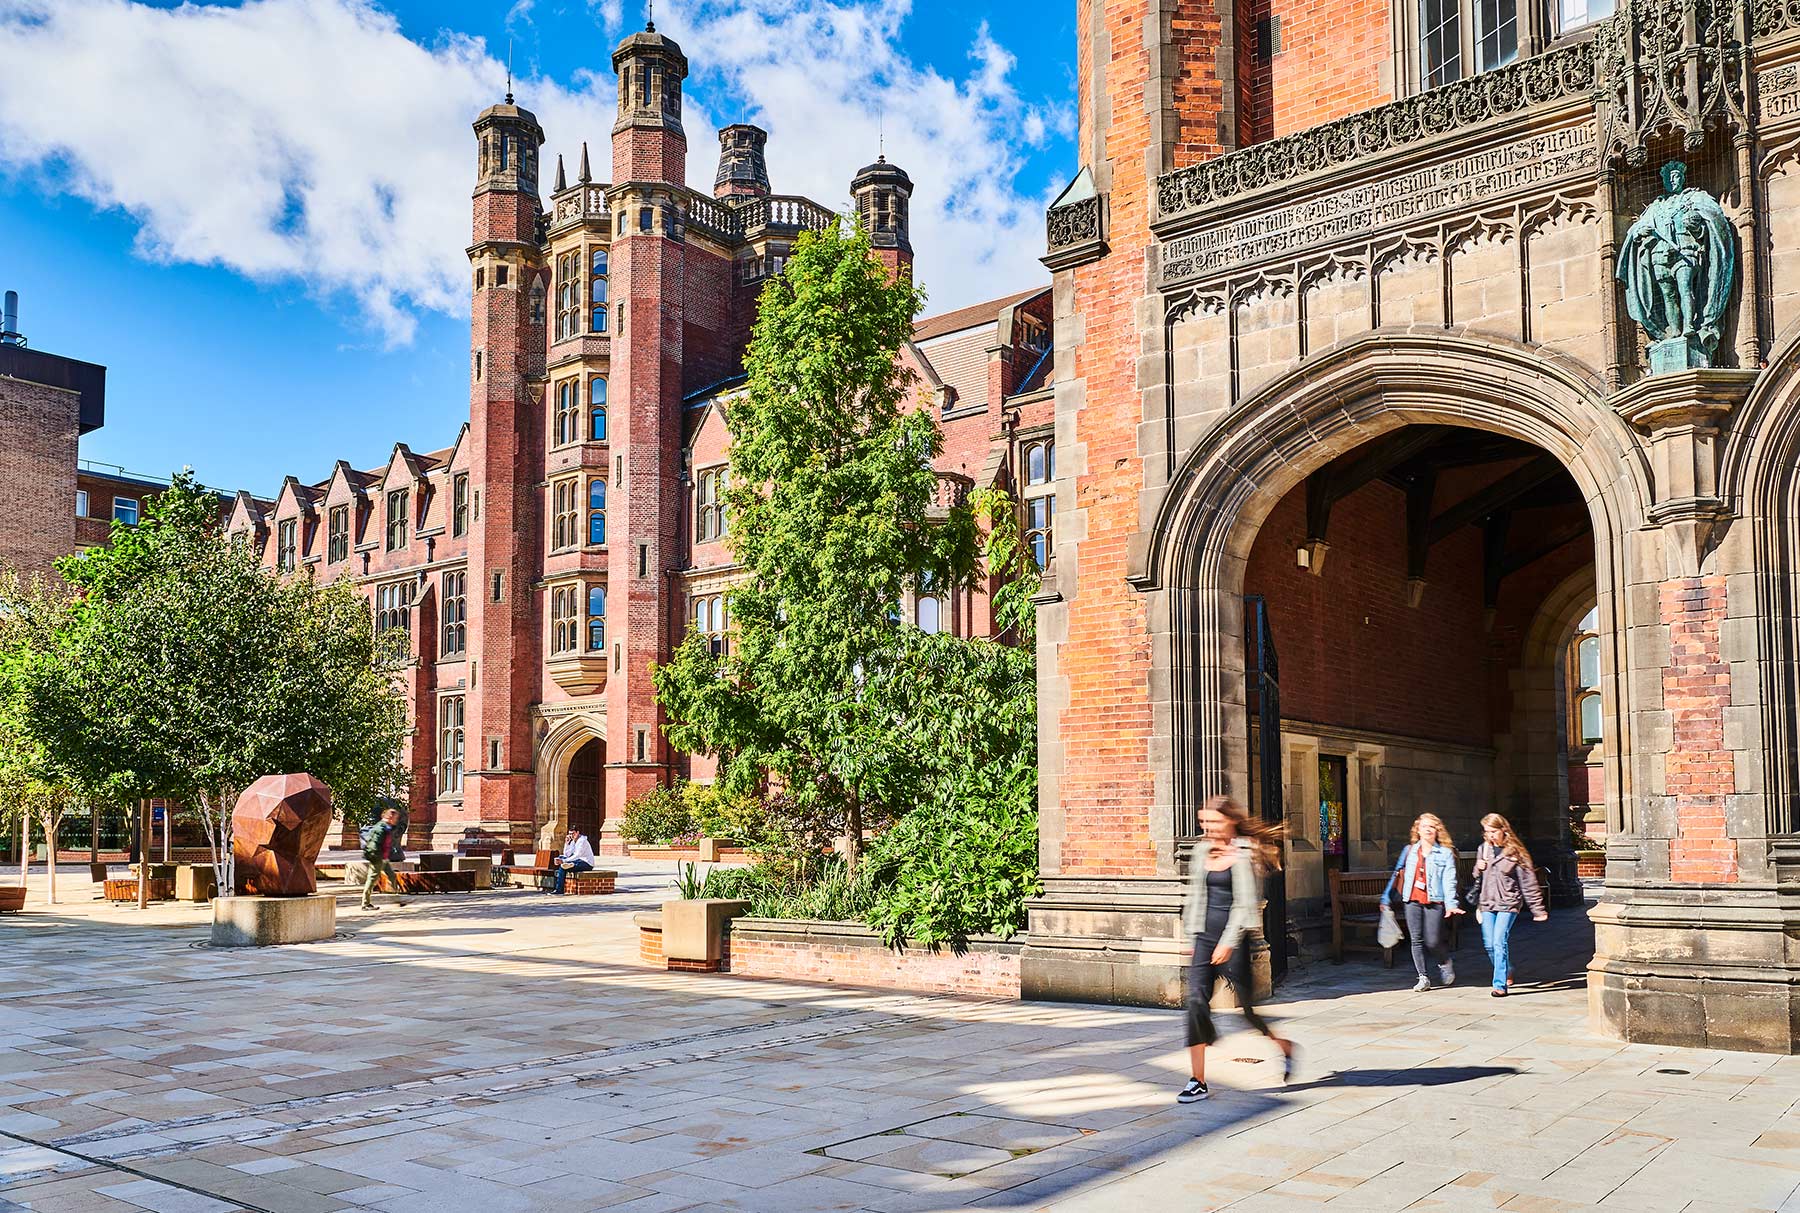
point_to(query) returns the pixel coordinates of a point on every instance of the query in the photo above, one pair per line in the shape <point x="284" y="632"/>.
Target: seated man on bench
<point x="577" y="856"/>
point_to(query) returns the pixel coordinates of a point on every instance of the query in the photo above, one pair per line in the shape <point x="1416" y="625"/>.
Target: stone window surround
<point x="1538" y="31"/>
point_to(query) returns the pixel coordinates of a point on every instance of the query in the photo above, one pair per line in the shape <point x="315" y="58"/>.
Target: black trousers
<point x="1203" y="975"/>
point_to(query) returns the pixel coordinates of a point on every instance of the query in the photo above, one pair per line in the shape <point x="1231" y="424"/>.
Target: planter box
<point x="126" y="889"/>
<point x="718" y="852"/>
<point x="12" y="898"/>
<point x="849" y="953"/>
<point x="1590" y="865"/>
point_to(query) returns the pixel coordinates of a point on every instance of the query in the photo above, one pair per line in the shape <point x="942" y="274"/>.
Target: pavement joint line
<point x="116" y="1132"/>
<point x="124" y="1168"/>
<point x="467" y="1097"/>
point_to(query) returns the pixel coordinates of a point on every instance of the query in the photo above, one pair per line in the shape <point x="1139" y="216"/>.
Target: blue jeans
<point x="562" y="873"/>
<point x="1496" y="935"/>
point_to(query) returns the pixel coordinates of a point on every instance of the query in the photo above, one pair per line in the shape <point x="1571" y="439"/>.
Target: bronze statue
<point x="1677" y="264"/>
<point x="277" y="828"/>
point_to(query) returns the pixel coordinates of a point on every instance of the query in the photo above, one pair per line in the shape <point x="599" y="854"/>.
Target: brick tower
<point x="649" y="278"/>
<point x="507" y="441"/>
<point x="882" y="192"/>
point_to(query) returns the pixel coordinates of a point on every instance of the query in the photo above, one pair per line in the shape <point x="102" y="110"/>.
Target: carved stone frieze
<point x="1397" y="201"/>
<point x="1075" y="232"/>
<point x="1560" y="74"/>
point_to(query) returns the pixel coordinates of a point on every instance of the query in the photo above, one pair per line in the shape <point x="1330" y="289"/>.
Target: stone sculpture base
<point x="1677" y="354"/>
<point x="257" y="922"/>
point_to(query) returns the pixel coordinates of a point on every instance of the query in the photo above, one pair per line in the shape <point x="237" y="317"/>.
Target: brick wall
<point x="1698" y="771"/>
<point x="1352" y="652"/>
<point x="37" y="474"/>
<point x="856" y="956"/>
<point x="1103" y="653"/>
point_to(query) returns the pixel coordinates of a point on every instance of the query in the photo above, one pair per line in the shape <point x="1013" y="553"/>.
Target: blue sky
<point x="254" y="214"/>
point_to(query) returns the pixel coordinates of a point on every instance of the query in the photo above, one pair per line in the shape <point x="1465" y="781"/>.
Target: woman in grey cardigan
<point x="1508" y="883"/>
<point x="1224" y="900"/>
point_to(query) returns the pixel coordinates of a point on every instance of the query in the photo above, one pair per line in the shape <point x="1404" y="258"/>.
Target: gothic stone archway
<point x="569" y="757"/>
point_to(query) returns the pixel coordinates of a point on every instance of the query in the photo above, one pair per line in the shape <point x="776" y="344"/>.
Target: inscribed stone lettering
<point x="1433" y="189"/>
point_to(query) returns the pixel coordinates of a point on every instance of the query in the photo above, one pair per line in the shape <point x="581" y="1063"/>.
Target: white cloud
<point x="304" y="140"/>
<point x="827" y="78"/>
<point x="312" y="141"/>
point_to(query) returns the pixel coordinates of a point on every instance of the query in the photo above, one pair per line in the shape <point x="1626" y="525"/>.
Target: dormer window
<point x="287" y="544"/>
<point x="337" y="534"/>
<point x="396" y="519"/>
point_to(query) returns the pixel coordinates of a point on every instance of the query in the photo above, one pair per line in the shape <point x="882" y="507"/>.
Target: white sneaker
<point x="1449" y="972"/>
<point x="1422" y="985"/>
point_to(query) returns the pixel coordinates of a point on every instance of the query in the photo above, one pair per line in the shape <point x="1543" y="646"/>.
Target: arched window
<point x="708" y="619"/>
<point x="565" y="426"/>
<point x="1585" y="720"/>
<point x="597" y="291"/>
<point x="709" y="505"/>
<point x="596" y="618"/>
<point x="566" y="498"/>
<point x="564" y="624"/>
<point x="596" y="512"/>
<point x="597" y="409"/>
<point x="930" y="615"/>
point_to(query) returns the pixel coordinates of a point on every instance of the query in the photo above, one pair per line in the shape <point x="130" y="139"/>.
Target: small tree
<point x="34" y="785"/>
<point x="187" y="670"/>
<point x="831" y="487"/>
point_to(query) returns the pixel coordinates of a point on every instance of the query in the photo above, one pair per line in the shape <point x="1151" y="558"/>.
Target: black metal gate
<point x="1262" y="673"/>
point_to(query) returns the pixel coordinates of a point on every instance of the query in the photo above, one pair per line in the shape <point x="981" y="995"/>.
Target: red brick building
<point x="47" y="402"/>
<point x="1385" y="487"/>
<point x="574" y="531"/>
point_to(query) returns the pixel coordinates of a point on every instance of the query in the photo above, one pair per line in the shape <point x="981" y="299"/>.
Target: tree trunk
<point x="168" y="833"/>
<point x="853" y="835"/>
<point x="52" y="829"/>
<point x="24" y="848"/>
<point x="94" y="833"/>
<point x="143" y="850"/>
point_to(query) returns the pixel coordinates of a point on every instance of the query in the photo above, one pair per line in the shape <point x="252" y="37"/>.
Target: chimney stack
<point x="9" y="321"/>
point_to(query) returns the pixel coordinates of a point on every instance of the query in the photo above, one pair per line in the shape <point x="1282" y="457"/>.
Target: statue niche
<point x="1677" y="264"/>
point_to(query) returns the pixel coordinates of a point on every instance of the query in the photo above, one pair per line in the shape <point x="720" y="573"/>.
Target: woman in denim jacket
<point x="1224" y="900"/>
<point x="1426" y="875"/>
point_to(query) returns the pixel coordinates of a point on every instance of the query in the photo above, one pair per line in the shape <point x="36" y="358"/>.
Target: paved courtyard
<point x="505" y="1051"/>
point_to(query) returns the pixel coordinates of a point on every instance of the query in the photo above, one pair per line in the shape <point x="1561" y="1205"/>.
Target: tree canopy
<point x="830" y="493"/>
<point x="187" y="670"/>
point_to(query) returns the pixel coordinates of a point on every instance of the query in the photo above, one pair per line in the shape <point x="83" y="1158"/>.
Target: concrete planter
<point x="853" y="954"/>
<point x="258" y="922"/>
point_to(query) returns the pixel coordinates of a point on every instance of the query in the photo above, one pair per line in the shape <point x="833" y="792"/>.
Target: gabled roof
<point x="968" y="317"/>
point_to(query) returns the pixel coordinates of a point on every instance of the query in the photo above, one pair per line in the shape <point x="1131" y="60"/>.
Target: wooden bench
<point x="1356" y="902"/>
<point x="539" y="870"/>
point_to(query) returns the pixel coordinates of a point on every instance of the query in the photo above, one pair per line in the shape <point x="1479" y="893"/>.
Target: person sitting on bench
<point x="577" y="856"/>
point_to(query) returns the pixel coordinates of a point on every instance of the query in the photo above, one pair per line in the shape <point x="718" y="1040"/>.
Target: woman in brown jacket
<point x="1508" y="883"/>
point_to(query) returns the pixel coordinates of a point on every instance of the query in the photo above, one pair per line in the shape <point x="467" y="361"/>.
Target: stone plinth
<point x="481" y="865"/>
<point x="257" y="922"/>
<point x="694" y="931"/>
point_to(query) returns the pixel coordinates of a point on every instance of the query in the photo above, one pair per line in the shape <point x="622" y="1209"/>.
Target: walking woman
<point x="1508" y="883"/>
<point x="1427" y="876"/>
<point x="1224" y="900"/>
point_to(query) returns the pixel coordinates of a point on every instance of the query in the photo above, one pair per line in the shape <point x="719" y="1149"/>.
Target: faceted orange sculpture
<point x="277" y="828"/>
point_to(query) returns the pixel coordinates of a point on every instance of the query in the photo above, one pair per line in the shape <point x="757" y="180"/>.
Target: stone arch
<point x="555" y="751"/>
<point x="1534" y="757"/>
<point x="1198" y="546"/>
<point x="1759" y="481"/>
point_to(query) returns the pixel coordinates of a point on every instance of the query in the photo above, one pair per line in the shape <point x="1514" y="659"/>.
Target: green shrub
<point x="655" y="817"/>
<point x="728" y="816"/>
<point x="961" y="866"/>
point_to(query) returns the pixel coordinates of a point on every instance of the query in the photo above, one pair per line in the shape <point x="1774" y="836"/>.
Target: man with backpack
<point x="379" y="843"/>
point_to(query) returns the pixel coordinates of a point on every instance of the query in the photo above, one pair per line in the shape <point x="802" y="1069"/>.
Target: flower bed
<point x="693" y="854"/>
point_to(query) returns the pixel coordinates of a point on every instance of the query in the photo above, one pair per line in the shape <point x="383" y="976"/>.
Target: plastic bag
<point x="1387" y="931"/>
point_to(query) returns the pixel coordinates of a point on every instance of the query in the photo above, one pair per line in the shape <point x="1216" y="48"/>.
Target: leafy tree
<point x="830" y="495"/>
<point x="33" y="785"/>
<point x="187" y="670"/>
